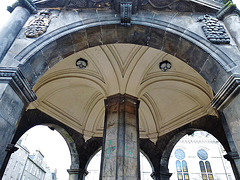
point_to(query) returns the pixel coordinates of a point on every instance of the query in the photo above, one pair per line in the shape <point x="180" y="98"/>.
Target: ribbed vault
<point x="168" y="99"/>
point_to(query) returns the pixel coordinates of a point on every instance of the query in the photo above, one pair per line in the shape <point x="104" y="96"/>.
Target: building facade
<point x="124" y="76"/>
<point x="199" y="156"/>
<point x="23" y="166"/>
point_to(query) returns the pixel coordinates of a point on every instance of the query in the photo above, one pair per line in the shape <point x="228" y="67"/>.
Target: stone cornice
<point x="227" y="93"/>
<point x="18" y="82"/>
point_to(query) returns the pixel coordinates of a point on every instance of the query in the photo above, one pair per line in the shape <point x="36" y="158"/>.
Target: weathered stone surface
<point x="109" y="34"/>
<point x="79" y="40"/>
<point x="214" y="74"/>
<point x="232" y="23"/>
<point x="120" y="157"/>
<point x="9" y="32"/>
<point x="94" y="36"/>
<point x="232" y="113"/>
<point x="11" y="109"/>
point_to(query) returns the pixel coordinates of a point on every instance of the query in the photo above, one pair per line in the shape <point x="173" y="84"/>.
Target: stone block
<point x="94" y="36"/>
<point x="109" y="34"/>
<point x="125" y="34"/>
<point x="6" y="134"/>
<point x="197" y="58"/>
<point x="79" y="39"/>
<point x="131" y="133"/>
<point x="210" y="71"/>
<point x="11" y="106"/>
<point x="156" y="38"/>
<point x="184" y="50"/>
<point x="38" y="65"/>
<point x="65" y="46"/>
<point x="170" y="43"/>
<point x="27" y="71"/>
<point x="141" y="35"/>
<point x="51" y="54"/>
<point x="89" y="17"/>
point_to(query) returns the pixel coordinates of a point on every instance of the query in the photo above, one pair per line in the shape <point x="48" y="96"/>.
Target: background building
<point x="199" y="156"/>
<point x="23" y="166"/>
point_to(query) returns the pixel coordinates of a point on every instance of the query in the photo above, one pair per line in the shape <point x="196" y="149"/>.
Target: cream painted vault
<point x="169" y="99"/>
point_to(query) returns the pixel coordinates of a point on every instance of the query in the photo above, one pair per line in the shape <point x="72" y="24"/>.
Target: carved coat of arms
<point x="38" y="25"/>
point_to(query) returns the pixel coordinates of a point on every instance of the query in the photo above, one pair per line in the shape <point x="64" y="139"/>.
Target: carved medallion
<point x="38" y="25"/>
<point x="214" y="32"/>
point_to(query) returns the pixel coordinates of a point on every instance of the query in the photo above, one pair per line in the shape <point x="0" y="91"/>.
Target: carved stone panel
<point x="38" y="25"/>
<point x="214" y="32"/>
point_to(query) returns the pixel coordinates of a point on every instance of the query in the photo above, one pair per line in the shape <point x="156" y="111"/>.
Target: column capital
<point x="227" y="93"/>
<point x="14" y="77"/>
<point x="77" y="171"/>
<point x="161" y="175"/>
<point x="111" y="100"/>
<point x="231" y="156"/>
<point x="11" y="148"/>
<point x="28" y="4"/>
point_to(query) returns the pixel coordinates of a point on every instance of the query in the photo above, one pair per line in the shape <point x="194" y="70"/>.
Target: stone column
<point x="9" y="31"/>
<point x="15" y="94"/>
<point x="227" y="101"/>
<point x="232" y="23"/>
<point x="120" y="154"/>
<point x="232" y="115"/>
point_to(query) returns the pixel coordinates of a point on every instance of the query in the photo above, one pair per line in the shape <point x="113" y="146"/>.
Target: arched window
<point x="181" y="165"/>
<point x="178" y="165"/>
<point x="205" y="166"/>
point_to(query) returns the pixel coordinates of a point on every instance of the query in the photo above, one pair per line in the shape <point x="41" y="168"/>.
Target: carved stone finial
<point x="38" y="25"/>
<point x="214" y="32"/>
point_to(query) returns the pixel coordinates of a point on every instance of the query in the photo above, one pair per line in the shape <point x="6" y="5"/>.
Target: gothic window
<point x="184" y="165"/>
<point x="181" y="165"/>
<point x="205" y="166"/>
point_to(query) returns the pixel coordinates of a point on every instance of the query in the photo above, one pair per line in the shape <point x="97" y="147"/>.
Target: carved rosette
<point x="214" y="32"/>
<point x="38" y="25"/>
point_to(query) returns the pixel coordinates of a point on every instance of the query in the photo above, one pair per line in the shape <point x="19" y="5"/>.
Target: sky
<point x="50" y="143"/>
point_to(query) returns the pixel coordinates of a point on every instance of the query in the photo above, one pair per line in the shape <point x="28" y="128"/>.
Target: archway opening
<point x="41" y="153"/>
<point x="199" y="156"/>
<point x="93" y="168"/>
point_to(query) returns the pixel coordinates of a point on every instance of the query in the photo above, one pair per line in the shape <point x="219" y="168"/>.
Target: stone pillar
<point x="77" y="174"/>
<point x="232" y="115"/>
<point x="120" y="154"/>
<point x="232" y="23"/>
<point x="9" y="31"/>
<point x="15" y="94"/>
<point x="227" y="101"/>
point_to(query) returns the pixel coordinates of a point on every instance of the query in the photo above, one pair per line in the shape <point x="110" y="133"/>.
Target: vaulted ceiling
<point x="169" y="99"/>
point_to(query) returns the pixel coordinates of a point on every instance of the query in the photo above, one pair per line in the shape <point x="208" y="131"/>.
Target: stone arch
<point x="149" y="160"/>
<point x="27" y="123"/>
<point x="212" y="63"/>
<point x="199" y="125"/>
<point x="92" y="156"/>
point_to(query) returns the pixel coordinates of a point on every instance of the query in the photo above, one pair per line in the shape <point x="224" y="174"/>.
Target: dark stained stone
<point x="109" y="34"/>
<point x="94" y="36"/>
